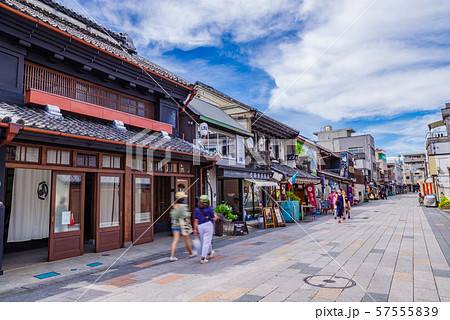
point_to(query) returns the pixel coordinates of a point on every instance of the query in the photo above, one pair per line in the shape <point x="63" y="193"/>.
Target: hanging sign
<point x="311" y="195"/>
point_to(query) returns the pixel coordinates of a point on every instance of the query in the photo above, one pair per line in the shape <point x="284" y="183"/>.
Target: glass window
<point x="159" y="166"/>
<point x="58" y="157"/>
<point x="172" y="167"/>
<point x="67" y="202"/>
<point x="139" y="164"/>
<point x="106" y="161"/>
<point x="169" y="116"/>
<point x="142" y="197"/>
<point x="232" y="147"/>
<point x="111" y="162"/>
<point x="22" y="153"/>
<point x="185" y="168"/>
<point x="86" y="160"/>
<point x="109" y="201"/>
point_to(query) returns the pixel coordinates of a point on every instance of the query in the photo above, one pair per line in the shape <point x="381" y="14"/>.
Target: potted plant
<point x="226" y="211"/>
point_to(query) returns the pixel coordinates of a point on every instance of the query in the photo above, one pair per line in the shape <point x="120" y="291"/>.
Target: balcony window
<point x="54" y="82"/>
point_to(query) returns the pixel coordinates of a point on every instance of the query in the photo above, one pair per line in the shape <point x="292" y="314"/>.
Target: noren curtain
<point x="30" y="207"/>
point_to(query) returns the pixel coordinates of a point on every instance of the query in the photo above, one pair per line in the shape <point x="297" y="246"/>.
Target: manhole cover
<point x="331" y="282"/>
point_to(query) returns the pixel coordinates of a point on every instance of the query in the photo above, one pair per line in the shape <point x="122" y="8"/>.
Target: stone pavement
<point x="390" y="250"/>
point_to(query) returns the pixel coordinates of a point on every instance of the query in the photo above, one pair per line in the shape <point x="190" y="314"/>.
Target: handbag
<point x="186" y="228"/>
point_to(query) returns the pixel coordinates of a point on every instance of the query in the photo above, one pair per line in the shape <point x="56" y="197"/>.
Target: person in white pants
<point x="204" y="217"/>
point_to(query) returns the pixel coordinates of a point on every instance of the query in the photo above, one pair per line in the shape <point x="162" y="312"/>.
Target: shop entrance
<point x="164" y="194"/>
<point x="89" y="213"/>
<point x="27" y="209"/>
<point x="66" y="215"/>
<point x="109" y="215"/>
<point x="142" y="209"/>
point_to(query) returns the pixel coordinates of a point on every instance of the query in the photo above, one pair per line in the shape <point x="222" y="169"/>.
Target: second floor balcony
<point x="46" y="86"/>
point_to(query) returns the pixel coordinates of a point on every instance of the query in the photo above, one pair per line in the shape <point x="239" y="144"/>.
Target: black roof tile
<point x="36" y="117"/>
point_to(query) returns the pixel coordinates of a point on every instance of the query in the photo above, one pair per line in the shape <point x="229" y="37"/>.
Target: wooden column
<point x="127" y="203"/>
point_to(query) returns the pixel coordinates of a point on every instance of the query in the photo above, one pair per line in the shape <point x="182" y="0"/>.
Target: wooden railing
<point x="50" y="81"/>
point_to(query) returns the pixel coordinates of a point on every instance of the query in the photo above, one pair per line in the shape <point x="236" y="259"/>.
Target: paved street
<point x="390" y="250"/>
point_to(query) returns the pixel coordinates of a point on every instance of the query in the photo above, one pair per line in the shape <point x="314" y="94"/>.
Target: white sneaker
<point x="194" y="253"/>
<point x="209" y="256"/>
<point x="172" y="259"/>
<point x="203" y="261"/>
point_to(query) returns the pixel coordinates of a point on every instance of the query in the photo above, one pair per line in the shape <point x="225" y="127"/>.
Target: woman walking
<point x="340" y="205"/>
<point x="347" y="205"/>
<point x="179" y="211"/>
<point x="204" y="216"/>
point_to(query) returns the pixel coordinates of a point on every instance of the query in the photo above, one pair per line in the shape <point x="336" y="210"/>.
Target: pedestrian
<point x="180" y="212"/>
<point x="204" y="217"/>
<point x="347" y="204"/>
<point x="331" y="197"/>
<point x="340" y="205"/>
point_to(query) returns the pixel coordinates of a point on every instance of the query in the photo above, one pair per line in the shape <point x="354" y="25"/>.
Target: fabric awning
<point x="263" y="183"/>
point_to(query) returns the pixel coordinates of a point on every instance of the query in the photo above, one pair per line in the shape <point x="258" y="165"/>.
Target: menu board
<point x="268" y="217"/>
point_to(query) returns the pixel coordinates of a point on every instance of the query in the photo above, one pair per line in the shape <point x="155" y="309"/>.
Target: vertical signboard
<point x="311" y="195"/>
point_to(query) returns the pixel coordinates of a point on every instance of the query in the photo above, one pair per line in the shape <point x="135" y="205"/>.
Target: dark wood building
<point x="90" y="154"/>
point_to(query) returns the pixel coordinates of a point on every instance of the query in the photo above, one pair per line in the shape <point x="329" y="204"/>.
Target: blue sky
<point x="379" y="67"/>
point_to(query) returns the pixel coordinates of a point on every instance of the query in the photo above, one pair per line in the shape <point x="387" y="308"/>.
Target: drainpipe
<point x="192" y="96"/>
<point x="11" y="131"/>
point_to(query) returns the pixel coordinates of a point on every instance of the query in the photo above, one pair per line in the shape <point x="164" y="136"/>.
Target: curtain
<point x="109" y="201"/>
<point x="30" y="207"/>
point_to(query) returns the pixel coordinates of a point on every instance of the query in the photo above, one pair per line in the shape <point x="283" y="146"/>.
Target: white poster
<point x="65" y="218"/>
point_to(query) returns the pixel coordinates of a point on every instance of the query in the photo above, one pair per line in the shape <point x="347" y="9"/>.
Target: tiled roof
<point x="38" y="118"/>
<point x="258" y="114"/>
<point x="67" y="20"/>
<point x="290" y="171"/>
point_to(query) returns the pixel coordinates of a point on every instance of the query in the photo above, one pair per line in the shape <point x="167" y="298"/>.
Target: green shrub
<point x="226" y="211"/>
<point x="444" y="202"/>
<point x="292" y="197"/>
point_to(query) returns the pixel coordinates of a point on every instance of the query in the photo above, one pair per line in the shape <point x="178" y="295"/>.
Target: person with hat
<point x="204" y="216"/>
<point x="179" y="211"/>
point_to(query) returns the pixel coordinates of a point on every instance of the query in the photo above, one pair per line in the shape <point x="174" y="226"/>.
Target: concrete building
<point x="438" y="153"/>
<point x="395" y="176"/>
<point x="382" y="168"/>
<point x="415" y="165"/>
<point x="362" y="147"/>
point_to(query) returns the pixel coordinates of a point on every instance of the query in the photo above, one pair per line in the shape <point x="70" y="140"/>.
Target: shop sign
<point x="311" y="195"/>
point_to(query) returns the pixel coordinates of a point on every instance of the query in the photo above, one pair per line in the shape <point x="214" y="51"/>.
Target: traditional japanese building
<point x="90" y="154"/>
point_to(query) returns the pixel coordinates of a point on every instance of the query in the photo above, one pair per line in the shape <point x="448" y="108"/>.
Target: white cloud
<point x="394" y="60"/>
<point x="191" y="24"/>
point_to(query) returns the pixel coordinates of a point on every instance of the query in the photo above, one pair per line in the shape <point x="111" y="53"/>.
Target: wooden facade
<point x="111" y="196"/>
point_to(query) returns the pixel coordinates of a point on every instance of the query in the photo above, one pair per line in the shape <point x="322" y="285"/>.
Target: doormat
<point x="47" y="275"/>
<point x="94" y="264"/>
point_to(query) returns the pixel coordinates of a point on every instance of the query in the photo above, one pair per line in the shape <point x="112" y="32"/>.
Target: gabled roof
<point x="82" y="126"/>
<point x="261" y="120"/>
<point x="213" y="114"/>
<point x="58" y="16"/>
<point x="287" y="172"/>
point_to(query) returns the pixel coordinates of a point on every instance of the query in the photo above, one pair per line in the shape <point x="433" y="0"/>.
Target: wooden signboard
<point x="268" y="217"/>
<point x="240" y="227"/>
<point x="278" y="217"/>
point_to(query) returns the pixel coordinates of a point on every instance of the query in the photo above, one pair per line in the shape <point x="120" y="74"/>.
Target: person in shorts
<point x="179" y="211"/>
